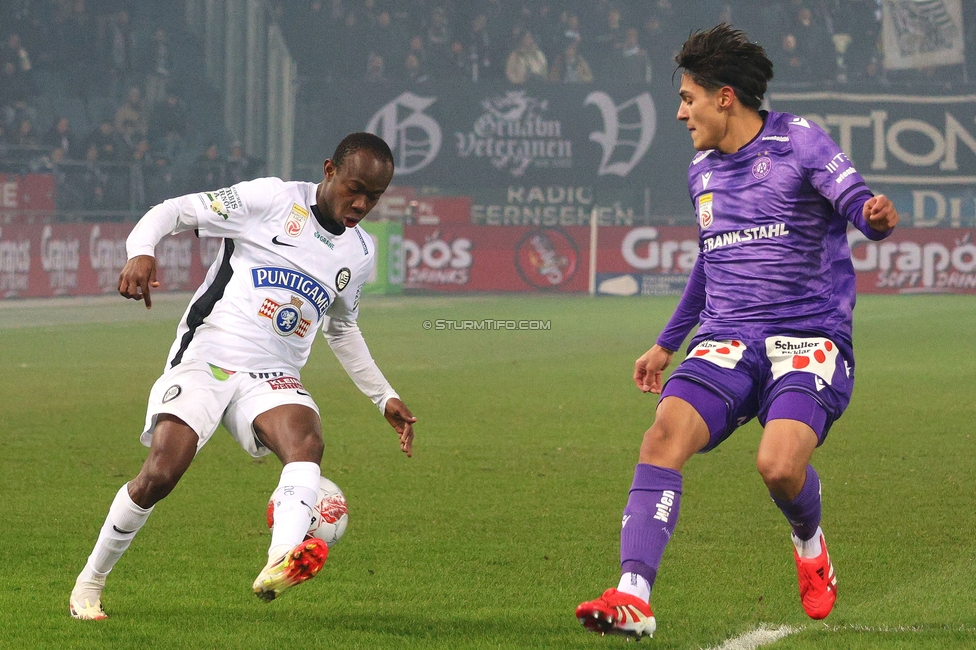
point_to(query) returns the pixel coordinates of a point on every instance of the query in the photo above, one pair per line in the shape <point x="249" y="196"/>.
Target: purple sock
<point x="803" y="512"/>
<point x="649" y="519"/>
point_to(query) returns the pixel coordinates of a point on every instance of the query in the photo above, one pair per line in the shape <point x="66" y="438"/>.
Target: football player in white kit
<point x="292" y="260"/>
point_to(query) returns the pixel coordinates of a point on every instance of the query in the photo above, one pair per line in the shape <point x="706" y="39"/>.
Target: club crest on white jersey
<point x="342" y="278"/>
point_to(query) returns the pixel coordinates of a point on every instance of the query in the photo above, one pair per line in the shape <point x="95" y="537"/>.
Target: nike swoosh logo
<point x="274" y="240"/>
<point x="301" y="392"/>
<point x="122" y="532"/>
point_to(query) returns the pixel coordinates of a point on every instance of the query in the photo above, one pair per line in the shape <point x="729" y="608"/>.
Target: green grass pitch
<point x="508" y="514"/>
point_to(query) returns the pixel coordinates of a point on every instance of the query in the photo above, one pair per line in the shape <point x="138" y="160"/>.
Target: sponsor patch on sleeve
<point x="725" y="354"/>
<point x="789" y="354"/>
<point x="222" y="201"/>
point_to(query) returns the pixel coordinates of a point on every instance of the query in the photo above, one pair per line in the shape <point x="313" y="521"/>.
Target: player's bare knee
<point x="302" y="447"/>
<point x="313" y="446"/>
<point x="152" y="485"/>
<point x="663" y="446"/>
<point x="659" y="436"/>
<point x="776" y="483"/>
<point x="779" y="475"/>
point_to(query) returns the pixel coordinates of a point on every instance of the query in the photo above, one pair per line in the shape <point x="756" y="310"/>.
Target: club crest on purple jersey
<point x="762" y="167"/>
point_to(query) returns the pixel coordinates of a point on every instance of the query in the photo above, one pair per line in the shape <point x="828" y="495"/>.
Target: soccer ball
<point x="329" y="517"/>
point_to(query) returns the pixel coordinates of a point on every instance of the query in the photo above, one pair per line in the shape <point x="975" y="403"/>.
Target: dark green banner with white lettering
<point x="553" y="155"/>
<point x="559" y="149"/>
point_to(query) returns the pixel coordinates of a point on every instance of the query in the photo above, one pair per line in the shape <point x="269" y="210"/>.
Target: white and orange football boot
<point x="293" y="568"/>
<point x="818" y="583"/>
<point x="85" y="602"/>
<point x="616" y="612"/>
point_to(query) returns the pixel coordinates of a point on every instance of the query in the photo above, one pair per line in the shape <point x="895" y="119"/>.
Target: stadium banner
<point x="436" y="210"/>
<point x="656" y="260"/>
<point x="645" y="261"/>
<point x="919" y="151"/>
<point x="546" y="156"/>
<point x="630" y="261"/>
<point x="922" y="33"/>
<point x="916" y="260"/>
<point x="483" y="258"/>
<point x="457" y="139"/>
<point x="550" y="206"/>
<point x="387" y="275"/>
<point x="26" y="199"/>
<point x="85" y="259"/>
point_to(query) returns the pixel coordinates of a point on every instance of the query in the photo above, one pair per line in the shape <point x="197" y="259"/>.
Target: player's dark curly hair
<point x="362" y="142"/>
<point x="723" y="56"/>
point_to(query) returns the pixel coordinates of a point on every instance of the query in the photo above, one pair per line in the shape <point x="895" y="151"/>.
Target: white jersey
<point x="278" y="278"/>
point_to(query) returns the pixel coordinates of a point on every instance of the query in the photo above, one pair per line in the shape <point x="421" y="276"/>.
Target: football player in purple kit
<point x="772" y="292"/>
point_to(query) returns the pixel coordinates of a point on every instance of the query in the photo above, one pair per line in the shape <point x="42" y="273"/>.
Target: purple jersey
<point x="772" y="220"/>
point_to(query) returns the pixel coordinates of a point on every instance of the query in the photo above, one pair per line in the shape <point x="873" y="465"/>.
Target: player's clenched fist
<point x="880" y="213"/>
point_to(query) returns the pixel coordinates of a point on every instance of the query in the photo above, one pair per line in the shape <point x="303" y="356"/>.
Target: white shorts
<point x="203" y="395"/>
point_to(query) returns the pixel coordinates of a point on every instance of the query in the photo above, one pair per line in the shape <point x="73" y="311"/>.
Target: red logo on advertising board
<point x="547" y="258"/>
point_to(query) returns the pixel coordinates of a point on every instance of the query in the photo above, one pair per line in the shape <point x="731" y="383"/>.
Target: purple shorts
<point x="808" y="379"/>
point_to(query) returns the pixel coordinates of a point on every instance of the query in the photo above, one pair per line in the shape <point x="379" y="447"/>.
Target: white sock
<point x="124" y="520"/>
<point x="810" y="548"/>
<point x="294" y="499"/>
<point x="635" y="585"/>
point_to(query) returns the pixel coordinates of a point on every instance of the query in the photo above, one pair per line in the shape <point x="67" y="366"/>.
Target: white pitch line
<point x="760" y="636"/>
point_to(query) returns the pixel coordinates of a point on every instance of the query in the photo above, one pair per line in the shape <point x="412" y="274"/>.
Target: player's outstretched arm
<point x="650" y="367"/>
<point x="402" y="420"/>
<point x="138" y="276"/>
<point x="880" y="213"/>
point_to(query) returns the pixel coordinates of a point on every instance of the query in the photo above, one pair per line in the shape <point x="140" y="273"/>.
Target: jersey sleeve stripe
<point x="850" y="194"/>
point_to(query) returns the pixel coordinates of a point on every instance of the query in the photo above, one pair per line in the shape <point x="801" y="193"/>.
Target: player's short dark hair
<point x="724" y="56"/>
<point x="362" y="142"/>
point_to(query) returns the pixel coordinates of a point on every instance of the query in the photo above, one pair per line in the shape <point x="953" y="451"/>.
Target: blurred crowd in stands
<point x="91" y="96"/>
<point x="91" y="92"/>
<point x="815" y="43"/>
